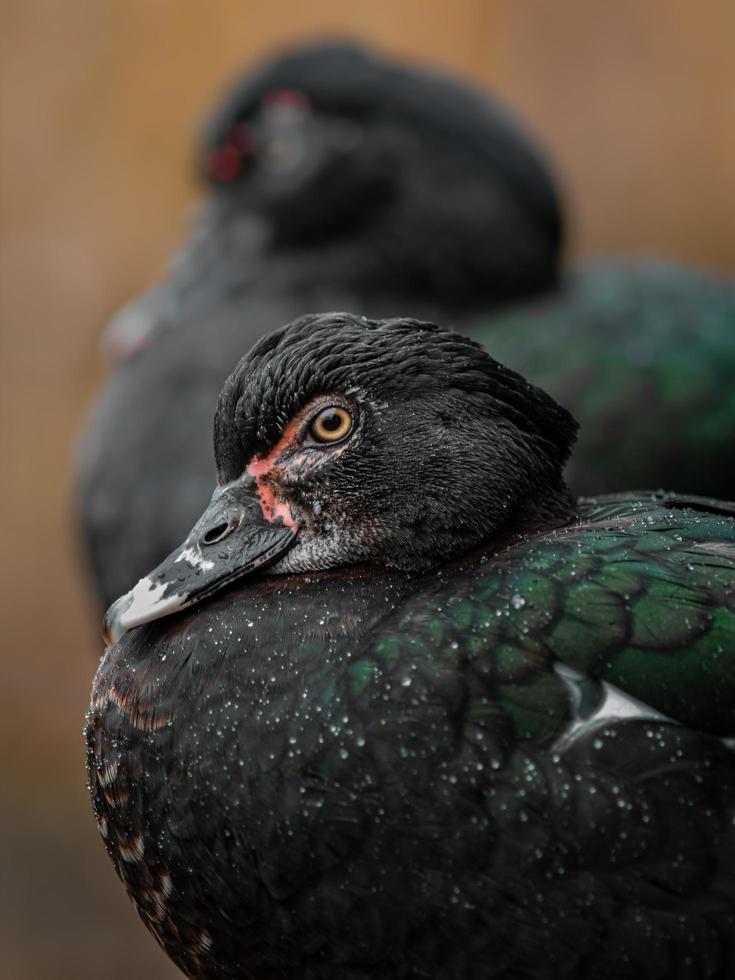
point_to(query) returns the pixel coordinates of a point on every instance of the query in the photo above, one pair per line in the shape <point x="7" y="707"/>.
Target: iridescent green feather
<point x="636" y="593"/>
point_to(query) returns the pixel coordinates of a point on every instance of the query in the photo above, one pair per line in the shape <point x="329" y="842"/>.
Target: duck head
<point x="310" y="173"/>
<point x="337" y="120"/>
<point x="341" y="440"/>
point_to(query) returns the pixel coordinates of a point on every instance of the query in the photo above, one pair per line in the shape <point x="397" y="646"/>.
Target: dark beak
<point x="230" y="539"/>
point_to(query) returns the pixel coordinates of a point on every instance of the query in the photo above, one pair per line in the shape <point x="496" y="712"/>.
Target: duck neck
<point x="552" y="506"/>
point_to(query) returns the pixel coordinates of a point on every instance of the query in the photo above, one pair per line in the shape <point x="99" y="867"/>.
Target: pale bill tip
<point x="145" y="602"/>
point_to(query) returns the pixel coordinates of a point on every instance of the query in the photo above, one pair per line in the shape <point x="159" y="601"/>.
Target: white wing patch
<point x="610" y="704"/>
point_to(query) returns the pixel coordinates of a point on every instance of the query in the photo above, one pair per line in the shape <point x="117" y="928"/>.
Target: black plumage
<point x="400" y="708"/>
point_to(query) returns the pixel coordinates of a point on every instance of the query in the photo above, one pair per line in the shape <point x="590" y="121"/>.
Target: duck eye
<point x="331" y="424"/>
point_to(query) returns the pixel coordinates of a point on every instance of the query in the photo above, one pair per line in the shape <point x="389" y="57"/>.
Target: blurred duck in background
<point x="339" y="180"/>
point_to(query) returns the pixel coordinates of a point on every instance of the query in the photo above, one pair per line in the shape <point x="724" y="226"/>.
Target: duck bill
<point x="231" y="539"/>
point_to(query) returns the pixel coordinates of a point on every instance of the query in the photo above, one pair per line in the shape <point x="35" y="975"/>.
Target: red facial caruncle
<point x="287" y="97"/>
<point x="226" y="161"/>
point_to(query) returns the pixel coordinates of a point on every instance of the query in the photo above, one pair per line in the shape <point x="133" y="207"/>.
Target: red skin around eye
<point x="225" y="163"/>
<point x="226" y="160"/>
<point x="261" y="467"/>
<point x="289" y="97"/>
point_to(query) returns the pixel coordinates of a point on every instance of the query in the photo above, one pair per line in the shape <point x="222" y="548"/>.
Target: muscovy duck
<point x="341" y="180"/>
<point x="400" y="707"/>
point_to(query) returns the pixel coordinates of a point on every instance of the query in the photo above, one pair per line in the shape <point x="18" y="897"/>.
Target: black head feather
<point x="451" y="446"/>
<point x="345" y="79"/>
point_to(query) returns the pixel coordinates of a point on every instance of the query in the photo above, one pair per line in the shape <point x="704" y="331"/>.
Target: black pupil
<point x="331" y="421"/>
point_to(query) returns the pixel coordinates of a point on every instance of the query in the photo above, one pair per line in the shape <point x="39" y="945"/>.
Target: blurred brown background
<point x="99" y="103"/>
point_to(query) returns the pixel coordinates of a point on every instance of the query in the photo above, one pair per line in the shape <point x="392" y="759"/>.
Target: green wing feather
<point x="644" y="356"/>
<point x="640" y="592"/>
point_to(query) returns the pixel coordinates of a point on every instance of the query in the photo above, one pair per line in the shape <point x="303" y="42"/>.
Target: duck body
<point x="515" y="765"/>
